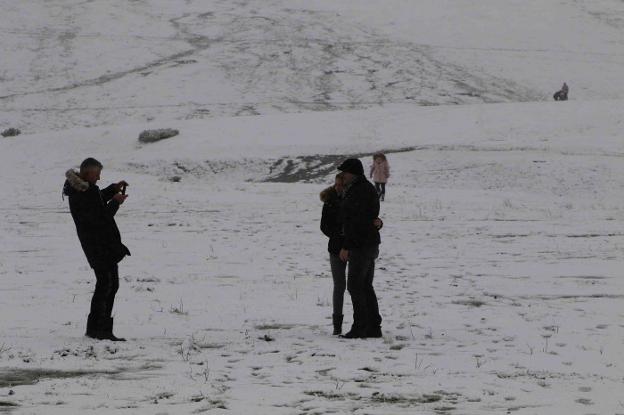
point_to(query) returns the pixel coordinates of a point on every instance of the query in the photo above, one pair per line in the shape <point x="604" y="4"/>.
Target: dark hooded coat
<point x="93" y="211"/>
<point x="331" y="222"/>
<point x="359" y="210"/>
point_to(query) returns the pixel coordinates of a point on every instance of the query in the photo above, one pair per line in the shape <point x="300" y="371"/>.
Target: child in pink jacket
<point x="380" y="172"/>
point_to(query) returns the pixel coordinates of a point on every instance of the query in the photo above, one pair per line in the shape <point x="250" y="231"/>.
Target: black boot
<point x="337" y="319"/>
<point x="92" y="327"/>
<point x="374" y="332"/>
<point x="107" y="332"/>
<point x="355" y="333"/>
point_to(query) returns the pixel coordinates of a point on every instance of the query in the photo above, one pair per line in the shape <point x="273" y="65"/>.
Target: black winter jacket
<point x="93" y="211"/>
<point x="331" y="222"/>
<point x="359" y="210"/>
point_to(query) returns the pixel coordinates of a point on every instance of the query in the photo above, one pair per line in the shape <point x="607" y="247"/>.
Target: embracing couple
<point x="351" y="221"/>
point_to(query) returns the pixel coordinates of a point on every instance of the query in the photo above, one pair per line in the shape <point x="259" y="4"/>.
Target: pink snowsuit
<point x="380" y="171"/>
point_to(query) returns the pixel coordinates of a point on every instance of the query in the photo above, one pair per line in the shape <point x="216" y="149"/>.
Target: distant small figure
<point x="380" y="173"/>
<point x="562" y="94"/>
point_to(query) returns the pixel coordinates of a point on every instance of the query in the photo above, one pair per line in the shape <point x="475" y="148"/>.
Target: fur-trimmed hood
<point x="329" y="194"/>
<point x="74" y="183"/>
<point x="93" y="214"/>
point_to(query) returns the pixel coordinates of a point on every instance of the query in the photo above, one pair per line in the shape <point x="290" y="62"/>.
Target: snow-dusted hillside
<point x="85" y="63"/>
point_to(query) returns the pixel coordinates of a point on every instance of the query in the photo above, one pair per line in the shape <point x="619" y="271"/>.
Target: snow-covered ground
<point x="500" y="275"/>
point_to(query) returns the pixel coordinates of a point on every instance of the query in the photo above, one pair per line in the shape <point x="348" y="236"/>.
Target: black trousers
<point x="381" y="189"/>
<point x="360" y="286"/>
<point x="106" y="286"/>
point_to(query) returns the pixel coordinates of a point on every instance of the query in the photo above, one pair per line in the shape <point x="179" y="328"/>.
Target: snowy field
<point x="500" y="275"/>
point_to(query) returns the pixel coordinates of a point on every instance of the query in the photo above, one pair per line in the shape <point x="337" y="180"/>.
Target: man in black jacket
<point x="93" y="211"/>
<point x="360" y="247"/>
